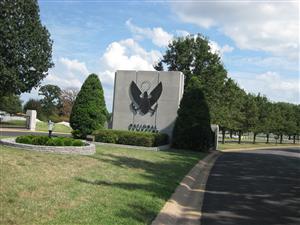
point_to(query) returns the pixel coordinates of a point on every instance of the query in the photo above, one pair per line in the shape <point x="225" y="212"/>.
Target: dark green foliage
<point x="39" y="140"/>
<point x="24" y="139"/>
<point x="106" y="136"/>
<point x="51" y="99"/>
<point x="11" y="104"/>
<point x="193" y="56"/>
<point x="25" y="47"/>
<point x="45" y="140"/>
<point x="131" y="138"/>
<point x="77" y="143"/>
<point x="35" y="104"/>
<point x="192" y="127"/>
<point x="89" y="111"/>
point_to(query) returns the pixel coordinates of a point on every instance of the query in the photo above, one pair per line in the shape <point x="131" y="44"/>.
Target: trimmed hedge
<point x="145" y="139"/>
<point x="45" y="140"/>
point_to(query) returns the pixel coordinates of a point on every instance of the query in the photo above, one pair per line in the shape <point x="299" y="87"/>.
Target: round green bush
<point x="45" y="140"/>
<point x="78" y="143"/>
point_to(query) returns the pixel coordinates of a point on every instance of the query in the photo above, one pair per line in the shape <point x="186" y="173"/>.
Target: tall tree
<point x="34" y="104"/>
<point x="249" y="118"/>
<point x="278" y="126"/>
<point x="11" y="104"/>
<point x="51" y="100"/>
<point x="192" y="127"/>
<point x="263" y="114"/>
<point x="25" y="47"/>
<point x="89" y="111"/>
<point x="231" y="107"/>
<point x="67" y="99"/>
<point x="193" y="56"/>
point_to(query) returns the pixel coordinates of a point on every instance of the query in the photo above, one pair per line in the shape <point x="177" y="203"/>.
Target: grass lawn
<point x="249" y="145"/>
<point x="14" y="123"/>
<point x="43" y="126"/>
<point x="115" y="186"/>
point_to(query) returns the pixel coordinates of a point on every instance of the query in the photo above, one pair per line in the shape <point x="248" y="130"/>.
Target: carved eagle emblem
<point x="142" y="101"/>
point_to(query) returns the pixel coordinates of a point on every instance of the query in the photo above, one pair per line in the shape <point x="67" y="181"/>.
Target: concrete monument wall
<point x="146" y="100"/>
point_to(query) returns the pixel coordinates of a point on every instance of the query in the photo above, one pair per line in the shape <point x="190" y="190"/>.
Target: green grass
<point x="248" y="145"/>
<point x="114" y="186"/>
<point x="13" y="123"/>
<point x="43" y="126"/>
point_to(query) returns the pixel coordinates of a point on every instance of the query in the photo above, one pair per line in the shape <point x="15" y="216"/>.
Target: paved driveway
<point x="260" y="187"/>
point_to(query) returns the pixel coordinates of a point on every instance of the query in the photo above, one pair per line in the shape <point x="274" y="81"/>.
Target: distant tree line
<point x="229" y="106"/>
<point x="56" y="104"/>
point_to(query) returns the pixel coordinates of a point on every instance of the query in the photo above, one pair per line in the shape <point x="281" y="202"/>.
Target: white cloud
<point x="74" y="66"/>
<point x="124" y="55"/>
<point x="271" y="84"/>
<point x="217" y="49"/>
<point x="268" y="26"/>
<point x="182" y="33"/>
<point x="157" y="35"/>
<point x="67" y="73"/>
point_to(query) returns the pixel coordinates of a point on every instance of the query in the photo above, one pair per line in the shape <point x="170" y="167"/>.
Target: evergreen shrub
<point x="192" y="127"/>
<point x="89" y="111"/>
<point x="145" y="139"/>
<point x="45" y="140"/>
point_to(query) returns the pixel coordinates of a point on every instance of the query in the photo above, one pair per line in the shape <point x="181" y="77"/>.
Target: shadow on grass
<point x="253" y="189"/>
<point x="161" y="177"/>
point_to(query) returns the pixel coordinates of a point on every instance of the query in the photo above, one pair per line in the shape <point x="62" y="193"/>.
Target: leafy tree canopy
<point x="25" y="47"/>
<point x="193" y="56"/>
<point x="11" y="104"/>
<point x="51" y="101"/>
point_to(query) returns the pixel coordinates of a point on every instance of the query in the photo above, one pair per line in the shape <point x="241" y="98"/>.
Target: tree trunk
<point x="240" y="136"/>
<point x="254" y="137"/>
<point x="268" y="135"/>
<point x="231" y="132"/>
<point x="289" y="137"/>
<point x="294" y="139"/>
<point x="280" y="138"/>
<point x="223" y="136"/>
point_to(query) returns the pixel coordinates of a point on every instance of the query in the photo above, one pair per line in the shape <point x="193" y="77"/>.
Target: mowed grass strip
<point x="43" y="126"/>
<point x="114" y="186"/>
<point x="256" y="145"/>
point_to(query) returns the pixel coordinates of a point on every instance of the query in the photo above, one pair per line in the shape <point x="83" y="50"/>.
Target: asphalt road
<point x="260" y="187"/>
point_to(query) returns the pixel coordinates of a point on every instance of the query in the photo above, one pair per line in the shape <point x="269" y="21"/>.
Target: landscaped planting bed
<point x="113" y="186"/>
<point x="54" y="144"/>
<point x="145" y="139"/>
<point x="47" y="141"/>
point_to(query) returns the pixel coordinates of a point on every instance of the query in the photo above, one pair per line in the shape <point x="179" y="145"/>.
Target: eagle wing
<point x="135" y="93"/>
<point x="155" y="94"/>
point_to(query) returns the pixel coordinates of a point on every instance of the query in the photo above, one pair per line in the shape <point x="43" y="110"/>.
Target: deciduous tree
<point x="25" y="47"/>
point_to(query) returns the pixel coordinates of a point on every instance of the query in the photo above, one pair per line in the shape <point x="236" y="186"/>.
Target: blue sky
<point x="258" y="41"/>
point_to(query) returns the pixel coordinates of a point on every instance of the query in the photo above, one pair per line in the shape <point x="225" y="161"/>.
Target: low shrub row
<point x="146" y="139"/>
<point x="45" y="140"/>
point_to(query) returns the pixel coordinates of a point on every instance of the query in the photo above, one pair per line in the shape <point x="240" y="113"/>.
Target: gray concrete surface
<point x="164" y="117"/>
<point x="260" y="187"/>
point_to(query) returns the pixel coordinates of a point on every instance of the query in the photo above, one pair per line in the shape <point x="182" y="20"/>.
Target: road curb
<point x="184" y="206"/>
